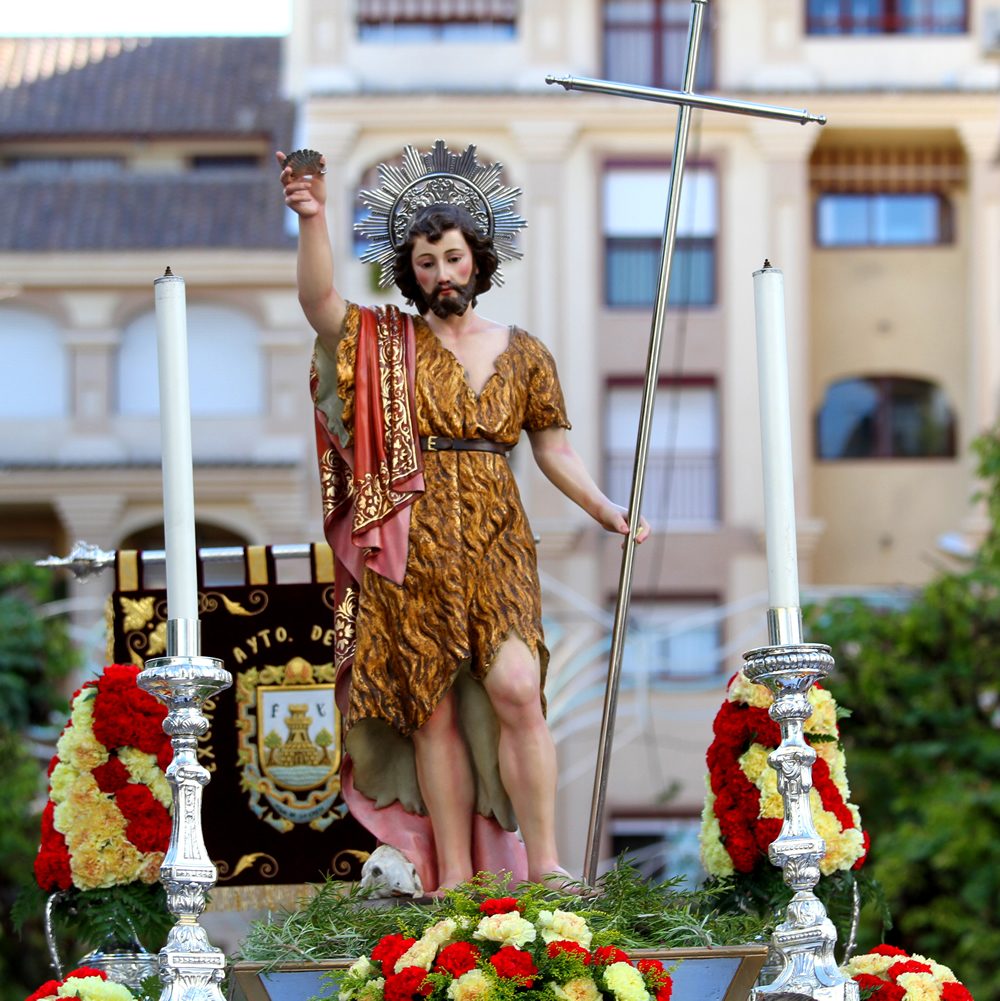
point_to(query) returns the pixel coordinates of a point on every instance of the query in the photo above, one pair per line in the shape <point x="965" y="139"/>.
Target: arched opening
<point x="224" y="359"/>
<point x="35" y="370"/>
<point x="885" y="417"/>
<point x="206" y="536"/>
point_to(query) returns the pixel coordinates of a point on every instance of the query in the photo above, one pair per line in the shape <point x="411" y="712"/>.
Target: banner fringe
<point x="276" y="897"/>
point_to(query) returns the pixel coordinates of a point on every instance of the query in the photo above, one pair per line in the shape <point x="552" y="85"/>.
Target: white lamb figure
<point x="389" y="873"/>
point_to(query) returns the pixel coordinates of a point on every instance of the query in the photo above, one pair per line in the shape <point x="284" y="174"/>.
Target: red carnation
<point x="388" y="951"/>
<point x="457" y="958"/>
<point x="657" y="978"/>
<point x="609" y="954"/>
<point x="952" y="991"/>
<point x="52" y="868"/>
<point x="148" y="821"/>
<point x="569" y="948"/>
<point x="766" y="831"/>
<point x="165" y="755"/>
<point x="910" y="966"/>
<point x="888" y="950"/>
<point x="407" y="984"/>
<point x="111" y="776"/>
<point x="498" y="905"/>
<point x="52" y="768"/>
<point x="48" y="990"/>
<point x="883" y="990"/>
<point x="512" y="963"/>
<point x="830" y="795"/>
<point x="124" y="715"/>
<point x="864" y="854"/>
<point x="87" y="971"/>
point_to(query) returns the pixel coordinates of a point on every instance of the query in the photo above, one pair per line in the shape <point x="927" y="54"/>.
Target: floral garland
<point x="889" y="974"/>
<point x="743" y="808"/>
<point x="85" y="983"/>
<point x="503" y="949"/>
<point x="107" y="821"/>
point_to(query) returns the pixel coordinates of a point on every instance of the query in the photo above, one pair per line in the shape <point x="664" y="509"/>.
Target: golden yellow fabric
<point x="471" y="576"/>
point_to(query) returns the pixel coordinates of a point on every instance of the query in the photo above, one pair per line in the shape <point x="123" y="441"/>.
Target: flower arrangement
<point x="107" y="820"/>
<point x="743" y="808"/>
<point x="503" y="949"/>
<point x="85" y="983"/>
<point x="106" y="825"/>
<point x="889" y="974"/>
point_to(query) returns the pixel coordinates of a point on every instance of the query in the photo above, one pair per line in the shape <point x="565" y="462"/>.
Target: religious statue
<point x="440" y="653"/>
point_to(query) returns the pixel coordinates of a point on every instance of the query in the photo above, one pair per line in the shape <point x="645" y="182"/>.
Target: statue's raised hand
<point x="304" y="193"/>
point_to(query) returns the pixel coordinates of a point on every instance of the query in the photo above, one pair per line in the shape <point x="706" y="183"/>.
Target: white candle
<point x="776" y="438"/>
<point x="175" y="436"/>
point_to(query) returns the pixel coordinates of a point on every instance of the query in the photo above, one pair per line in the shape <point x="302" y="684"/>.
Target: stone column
<point x="91" y="339"/>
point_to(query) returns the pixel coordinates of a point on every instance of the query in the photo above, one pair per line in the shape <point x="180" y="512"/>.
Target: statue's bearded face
<point x="446" y="272"/>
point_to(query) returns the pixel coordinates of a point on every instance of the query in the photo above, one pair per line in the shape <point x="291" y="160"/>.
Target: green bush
<point x="923" y="752"/>
<point x="35" y="653"/>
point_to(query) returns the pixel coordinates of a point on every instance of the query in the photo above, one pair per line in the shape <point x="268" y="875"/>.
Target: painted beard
<point x="453" y="305"/>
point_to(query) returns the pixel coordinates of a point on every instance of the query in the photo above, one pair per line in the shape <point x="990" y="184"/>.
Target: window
<point x="882" y="220"/>
<point x="682" y="476"/>
<point x="674" y="639"/>
<point x="645" y="43"/>
<point x="34" y="376"/>
<point x="224" y="359"/>
<point x="881" y="17"/>
<point x="885" y="417"/>
<point x="416" y="21"/>
<point x="635" y="204"/>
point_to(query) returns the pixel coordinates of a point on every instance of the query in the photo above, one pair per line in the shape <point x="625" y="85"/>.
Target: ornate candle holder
<point x="805" y="940"/>
<point x="191" y="968"/>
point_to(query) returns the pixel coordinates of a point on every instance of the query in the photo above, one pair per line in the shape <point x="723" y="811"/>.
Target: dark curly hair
<point x="432" y="222"/>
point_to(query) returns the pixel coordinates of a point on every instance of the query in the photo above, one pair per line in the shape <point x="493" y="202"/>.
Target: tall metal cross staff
<point x="686" y="99"/>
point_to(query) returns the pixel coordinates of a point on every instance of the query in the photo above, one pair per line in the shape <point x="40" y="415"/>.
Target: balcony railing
<point x="682" y="491"/>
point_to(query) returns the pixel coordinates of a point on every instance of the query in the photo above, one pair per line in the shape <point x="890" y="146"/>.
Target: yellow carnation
<point x="62" y="778"/>
<point x="875" y="965"/>
<point x="469" y="986"/>
<point x="507" y="929"/>
<point x="577" y="989"/>
<point x="94" y="989"/>
<point x="562" y="926"/>
<point x="941" y="974"/>
<point x="919" y="986"/>
<point x="421" y="954"/>
<point x="744" y="690"/>
<point x="150" y="871"/>
<point x="625" y="982"/>
<point x="824" y="716"/>
<point x="143" y="770"/>
<point x="79" y="748"/>
<point x="714" y="856"/>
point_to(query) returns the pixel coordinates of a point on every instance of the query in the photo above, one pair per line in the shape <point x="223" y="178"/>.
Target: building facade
<point x="886" y="223"/>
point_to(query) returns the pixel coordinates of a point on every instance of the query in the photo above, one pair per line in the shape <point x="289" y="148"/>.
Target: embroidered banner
<point x="273" y="813"/>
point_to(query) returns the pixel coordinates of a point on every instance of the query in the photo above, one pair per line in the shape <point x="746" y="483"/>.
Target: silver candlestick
<point x="805" y="940"/>
<point x="191" y="968"/>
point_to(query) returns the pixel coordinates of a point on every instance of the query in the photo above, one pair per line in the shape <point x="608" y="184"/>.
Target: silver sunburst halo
<point x="439" y="177"/>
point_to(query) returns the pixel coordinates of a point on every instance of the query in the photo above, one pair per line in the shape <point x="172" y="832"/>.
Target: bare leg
<point x="446" y="783"/>
<point x="527" y="754"/>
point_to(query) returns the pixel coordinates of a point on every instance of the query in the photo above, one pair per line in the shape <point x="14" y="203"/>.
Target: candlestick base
<point x="805" y="940"/>
<point x="191" y="968"/>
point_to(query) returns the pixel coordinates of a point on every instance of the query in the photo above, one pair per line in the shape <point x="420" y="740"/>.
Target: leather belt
<point x="436" y="443"/>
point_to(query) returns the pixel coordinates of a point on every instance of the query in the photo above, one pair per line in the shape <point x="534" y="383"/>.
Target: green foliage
<point x="35" y="652"/>
<point x="117" y="914"/>
<point x="625" y="910"/>
<point x="923" y="751"/>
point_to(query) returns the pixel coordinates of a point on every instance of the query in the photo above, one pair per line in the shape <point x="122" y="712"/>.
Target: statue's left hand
<point x="615" y="519"/>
